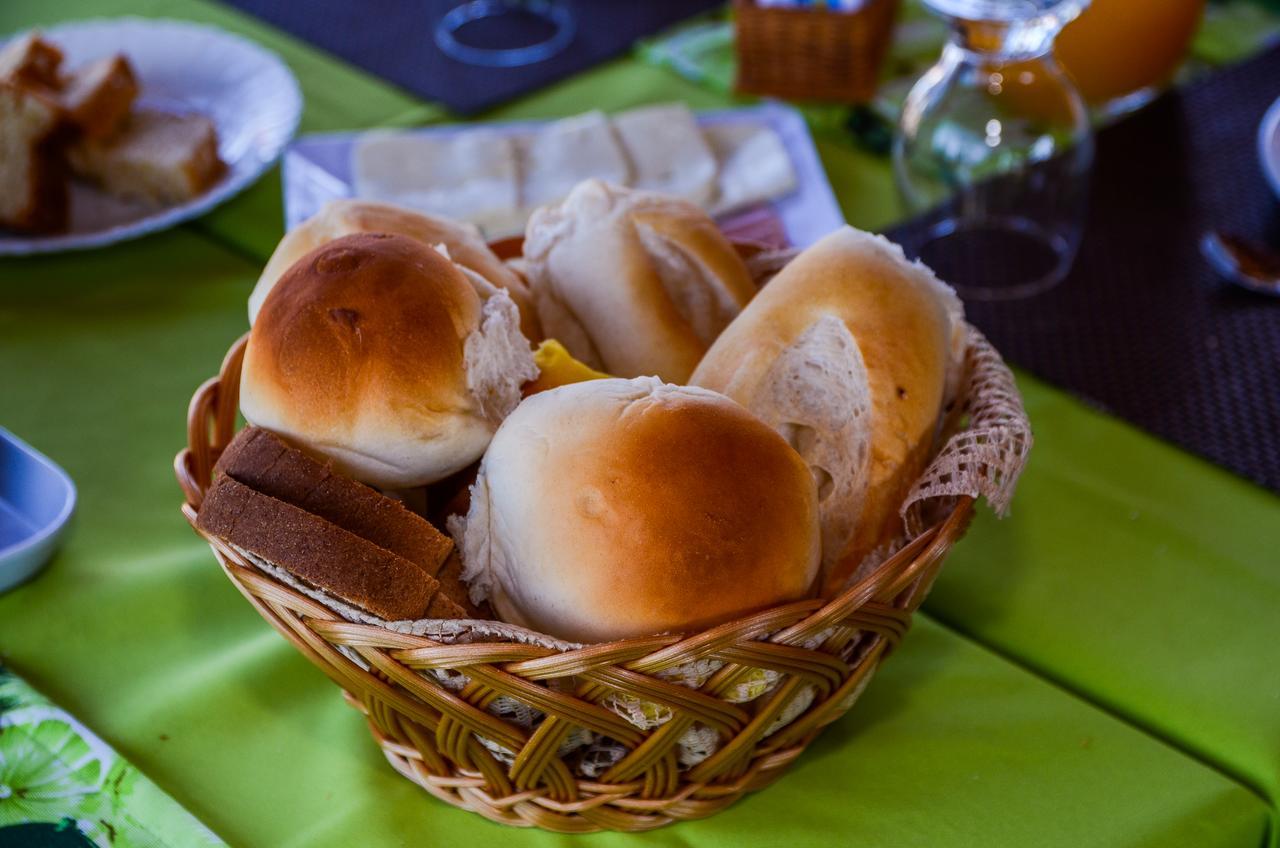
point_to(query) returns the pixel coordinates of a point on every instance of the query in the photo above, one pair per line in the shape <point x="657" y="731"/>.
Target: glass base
<point x="997" y="259"/>
<point x="551" y="24"/>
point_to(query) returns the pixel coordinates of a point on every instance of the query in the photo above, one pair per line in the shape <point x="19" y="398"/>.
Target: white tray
<point x="317" y="169"/>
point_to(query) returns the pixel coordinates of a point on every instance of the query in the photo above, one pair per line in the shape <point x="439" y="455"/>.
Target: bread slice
<point x="264" y="462"/>
<point x="98" y="96"/>
<point x="452" y="587"/>
<point x="33" y="183"/>
<point x="317" y="552"/>
<point x="30" y="61"/>
<point x="159" y="157"/>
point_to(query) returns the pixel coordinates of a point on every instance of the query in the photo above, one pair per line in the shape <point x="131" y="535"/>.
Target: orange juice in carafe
<point x="1117" y="48"/>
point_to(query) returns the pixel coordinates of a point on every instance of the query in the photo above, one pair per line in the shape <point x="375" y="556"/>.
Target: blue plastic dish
<point x="37" y="499"/>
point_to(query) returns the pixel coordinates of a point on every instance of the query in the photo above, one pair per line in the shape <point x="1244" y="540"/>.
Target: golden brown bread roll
<point x="338" y="218"/>
<point x="851" y="353"/>
<point x="615" y="508"/>
<point x="376" y="351"/>
<point x="633" y="283"/>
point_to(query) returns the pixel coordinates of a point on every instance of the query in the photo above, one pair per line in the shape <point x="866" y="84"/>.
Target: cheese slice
<point x="468" y="175"/>
<point x="667" y="152"/>
<point x="557" y="157"/>
<point x="753" y="165"/>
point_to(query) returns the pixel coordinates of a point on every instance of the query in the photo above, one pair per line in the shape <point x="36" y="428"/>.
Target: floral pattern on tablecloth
<point x="60" y="785"/>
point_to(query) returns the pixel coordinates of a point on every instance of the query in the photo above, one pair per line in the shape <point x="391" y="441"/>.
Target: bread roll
<point x="375" y="351"/>
<point x="338" y="218"/>
<point x="615" y="508"/>
<point x="633" y="283"/>
<point x="851" y="353"/>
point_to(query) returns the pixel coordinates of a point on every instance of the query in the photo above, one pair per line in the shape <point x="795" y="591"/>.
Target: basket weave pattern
<point x="444" y="739"/>
<point x="812" y="53"/>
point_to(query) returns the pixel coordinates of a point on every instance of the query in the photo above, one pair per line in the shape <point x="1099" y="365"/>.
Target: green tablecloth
<point x="1132" y="575"/>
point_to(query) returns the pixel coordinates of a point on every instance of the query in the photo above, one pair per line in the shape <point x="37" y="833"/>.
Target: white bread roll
<point x="851" y="353"/>
<point x="376" y="351"/>
<point x="338" y="218"/>
<point x="633" y="283"/>
<point x="616" y="508"/>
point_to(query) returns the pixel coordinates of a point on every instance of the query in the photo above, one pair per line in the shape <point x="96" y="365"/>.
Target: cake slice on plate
<point x="33" y="184"/>
<point x="158" y="157"/>
<point x="98" y="96"/>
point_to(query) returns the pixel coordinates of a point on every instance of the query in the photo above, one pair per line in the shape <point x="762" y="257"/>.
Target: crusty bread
<point x="33" y="183"/>
<point x="633" y="283"/>
<point x="31" y="62"/>
<point x="850" y="352"/>
<point x="615" y="508"/>
<point x="316" y="551"/>
<point x="375" y="351"/>
<point x="264" y="462"/>
<point x="98" y="96"/>
<point x="339" y="218"/>
<point x="157" y="157"/>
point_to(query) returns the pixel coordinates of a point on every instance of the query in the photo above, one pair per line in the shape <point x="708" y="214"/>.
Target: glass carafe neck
<point x="1006" y="29"/>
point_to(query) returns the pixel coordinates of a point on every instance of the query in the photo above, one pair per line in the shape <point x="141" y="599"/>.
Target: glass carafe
<point x="994" y="149"/>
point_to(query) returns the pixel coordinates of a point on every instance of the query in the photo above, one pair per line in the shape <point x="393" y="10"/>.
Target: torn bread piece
<point x="560" y="155"/>
<point x="468" y="175"/>
<point x="667" y="152"/>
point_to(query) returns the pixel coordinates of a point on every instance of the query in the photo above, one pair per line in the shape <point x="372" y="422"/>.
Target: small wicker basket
<point x="812" y="53"/>
<point x="462" y="747"/>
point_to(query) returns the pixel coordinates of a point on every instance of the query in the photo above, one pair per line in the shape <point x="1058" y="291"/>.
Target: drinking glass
<point x="994" y="149"/>
<point x="1120" y="53"/>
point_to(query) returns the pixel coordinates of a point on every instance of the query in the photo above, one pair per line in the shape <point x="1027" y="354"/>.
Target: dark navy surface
<point x="394" y="40"/>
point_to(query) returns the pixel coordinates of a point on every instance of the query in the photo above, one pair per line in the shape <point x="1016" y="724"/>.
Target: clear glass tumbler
<point x="994" y="149"/>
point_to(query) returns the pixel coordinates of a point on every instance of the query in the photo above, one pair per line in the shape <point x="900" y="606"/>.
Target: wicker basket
<point x="812" y="53"/>
<point x="461" y="745"/>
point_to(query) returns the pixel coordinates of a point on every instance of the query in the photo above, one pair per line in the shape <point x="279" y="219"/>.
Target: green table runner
<point x="1130" y="572"/>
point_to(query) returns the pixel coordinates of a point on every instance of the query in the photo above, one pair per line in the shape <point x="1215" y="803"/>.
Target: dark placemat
<point x="1143" y="327"/>
<point x="394" y="40"/>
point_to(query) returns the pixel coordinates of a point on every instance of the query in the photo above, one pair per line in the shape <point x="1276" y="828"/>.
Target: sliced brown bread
<point x="98" y="96"/>
<point x="317" y="552"/>
<point x="263" y="461"/>
<point x="452" y="587"/>
<point x="33" y="181"/>
<point x="29" y="60"/>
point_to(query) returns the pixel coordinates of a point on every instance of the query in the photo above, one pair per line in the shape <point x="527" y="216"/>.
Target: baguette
<point x="317" y="552"/>
<point x="264" y="462"/>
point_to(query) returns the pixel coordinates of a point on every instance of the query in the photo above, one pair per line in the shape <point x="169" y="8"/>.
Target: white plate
<point x="248" y="92"/>
<point x="1269" y="146"/>
<point x="317" y="169"/>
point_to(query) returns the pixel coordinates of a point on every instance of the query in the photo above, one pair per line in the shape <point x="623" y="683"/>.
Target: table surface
<point x="1099" y="669"/>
